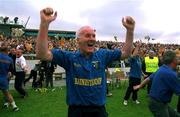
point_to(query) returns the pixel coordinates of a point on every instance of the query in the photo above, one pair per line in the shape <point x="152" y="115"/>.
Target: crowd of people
<point x="27" y="44"/>
<point x="85" y="61"/>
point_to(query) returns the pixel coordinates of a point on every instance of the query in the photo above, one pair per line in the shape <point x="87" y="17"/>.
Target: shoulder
<point x="58" y="51"/>
<point x="105" y="51"/>
<point x="7" y="57"/>
<point x="167" y="72"/>
<point x="22" y="58"/>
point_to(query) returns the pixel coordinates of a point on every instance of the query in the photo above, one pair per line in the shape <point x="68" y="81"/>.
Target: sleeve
<point x="151" y="77"/>
<point x="112" y="55"/>
<point x="23" y="63"/>
<point x="143" y="66"/>
<point x="11" y="67"/>
<point x="60" y="57"/>
<point x="173" y="82"/>
<point x="130" y="59"/>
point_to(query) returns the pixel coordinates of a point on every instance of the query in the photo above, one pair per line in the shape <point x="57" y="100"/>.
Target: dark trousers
<point x="132" y="82"/>
<point x="149" y="87"/>
<point x="160" y="109"/>
<point x="49" y="80"/>
<point x="87" y="111"/>
<point x="33" y="75"/>
<point x="178" y="105"/>
<point x="149" y="84"/>
<point x="107" y="88"/>
<point x="20" y="77"/>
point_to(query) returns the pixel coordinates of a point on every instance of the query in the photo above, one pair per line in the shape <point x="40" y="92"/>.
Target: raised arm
<point x="129" y="23"/>
<point x="47" y="15"/>
<point x="136" y="49"/>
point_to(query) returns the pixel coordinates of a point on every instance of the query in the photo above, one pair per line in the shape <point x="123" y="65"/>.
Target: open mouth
<point x="90" y="44"/>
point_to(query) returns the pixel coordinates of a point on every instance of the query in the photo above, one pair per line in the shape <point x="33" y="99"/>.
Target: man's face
<point x="18" y="53"/>
<point x="87" y="40"/>
<point x="151" y="54"/>
<point x="13" y="51"/>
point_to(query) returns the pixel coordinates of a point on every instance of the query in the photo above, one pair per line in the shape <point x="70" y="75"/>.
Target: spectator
<point x="150" y="65"/>
<point x="6" y="66"/>
<point x="165" y="82"/>
<point x="49" y="70"/>
<point x="134" y="75"/>
<point x="20" y="73"/>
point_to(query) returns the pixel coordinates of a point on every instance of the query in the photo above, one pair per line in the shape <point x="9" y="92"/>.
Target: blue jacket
<point x="164" y="83"/>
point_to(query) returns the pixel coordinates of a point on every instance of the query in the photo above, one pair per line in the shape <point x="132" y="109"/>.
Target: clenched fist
<point x="47" y="15"/>
<point x="129" y="23"/>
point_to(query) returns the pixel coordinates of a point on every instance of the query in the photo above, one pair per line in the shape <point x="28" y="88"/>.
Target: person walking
<point x="6" y="66"/>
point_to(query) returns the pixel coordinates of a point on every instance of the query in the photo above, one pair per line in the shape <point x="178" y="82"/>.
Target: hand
<point x="136" y="87"/>
<point x="138" y="43"/>
<point x="129" y="23"/>
<point x="47" y="16"/>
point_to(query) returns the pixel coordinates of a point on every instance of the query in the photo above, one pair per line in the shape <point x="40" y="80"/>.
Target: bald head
<point x="83" y="30"/>
<point x="86" y="39"/>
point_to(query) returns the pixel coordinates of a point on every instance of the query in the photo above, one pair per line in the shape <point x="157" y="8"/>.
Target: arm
<point x="144" y="66"/>
<point x="129" y="24"/>
<point x="144" y="82"/>
<point x="136" y="50"/>
<point x="42" y="51"/>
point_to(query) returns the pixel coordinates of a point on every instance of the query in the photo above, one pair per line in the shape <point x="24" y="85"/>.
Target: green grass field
<point x="53" y="104"/>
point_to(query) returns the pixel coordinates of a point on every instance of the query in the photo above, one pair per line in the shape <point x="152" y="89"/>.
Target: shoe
<point x="15" y="109"/>
<point x="137" y="102"/>
<point x="125" y="102"/>
<point x="5" y="105"/>
<point x="24" y="96"/>
<point x="109" y="94"/>
<point x="53" y="90"/>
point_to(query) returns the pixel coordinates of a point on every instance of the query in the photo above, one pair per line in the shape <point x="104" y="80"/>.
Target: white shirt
<point x="20" y="64"/>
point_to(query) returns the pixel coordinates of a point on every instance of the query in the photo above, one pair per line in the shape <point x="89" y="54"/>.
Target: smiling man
<point x="85" y="68"/>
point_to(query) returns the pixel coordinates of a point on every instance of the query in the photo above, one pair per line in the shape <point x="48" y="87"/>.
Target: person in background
<point x="20" y="73"/>
<point x="33" y="74"/>
<point x="12" y="54"/>
<point x="134" y="75"/>
<point x="165" y="82"/>
<point x="6" y="67"/>
<point x="109" y="80"/>
<point x="150" y="65"/>
<point x="49" y="70"/>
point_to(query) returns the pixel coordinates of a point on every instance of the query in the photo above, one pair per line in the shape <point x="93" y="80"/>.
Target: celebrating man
<point x="85" y="68"/>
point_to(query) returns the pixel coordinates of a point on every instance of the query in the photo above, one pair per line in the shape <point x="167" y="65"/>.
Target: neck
<point x="171" y="66"/>
<point x="87" y="55"/>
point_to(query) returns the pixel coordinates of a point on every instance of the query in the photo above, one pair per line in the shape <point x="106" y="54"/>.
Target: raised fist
<point x="129" y="23"/>
<point x="47" y="15"/>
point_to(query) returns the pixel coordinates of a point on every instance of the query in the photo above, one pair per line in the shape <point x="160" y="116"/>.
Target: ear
<point x="78" y="41"/>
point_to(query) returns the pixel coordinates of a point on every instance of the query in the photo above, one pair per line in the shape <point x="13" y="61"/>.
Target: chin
<point x="91" y="50"/>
